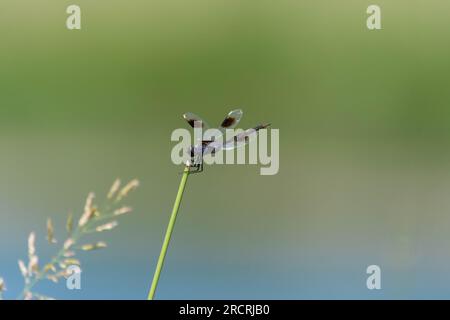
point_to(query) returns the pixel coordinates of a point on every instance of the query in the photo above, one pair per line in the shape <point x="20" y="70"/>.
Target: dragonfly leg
<point x="197" y="168"/>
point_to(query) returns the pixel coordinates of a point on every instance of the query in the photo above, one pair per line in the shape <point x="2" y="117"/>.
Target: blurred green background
<point x="364" y="121"/>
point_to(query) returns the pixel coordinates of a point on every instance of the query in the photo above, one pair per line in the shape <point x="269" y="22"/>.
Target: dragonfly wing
<point x="243" y="138"/>
<point x="240" y="139"/>
<point x="194" y="120"/>
<point x="212" y="135"/>
<point x="213" y="147"/>
<point x="231" y="120"/>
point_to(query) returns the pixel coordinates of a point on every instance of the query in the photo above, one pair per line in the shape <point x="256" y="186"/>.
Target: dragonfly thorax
<point x="196" y="150"/>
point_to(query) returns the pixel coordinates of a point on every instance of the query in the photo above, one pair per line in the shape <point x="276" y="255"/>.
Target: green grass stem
<point x="168" y="235"/>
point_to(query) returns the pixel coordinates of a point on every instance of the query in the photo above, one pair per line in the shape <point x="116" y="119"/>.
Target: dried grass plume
<point x="93" y="219"/>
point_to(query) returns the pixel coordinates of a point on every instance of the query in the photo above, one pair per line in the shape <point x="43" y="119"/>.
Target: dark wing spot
<point x="206" y="142"/>
<point x="228" y="122"/>
<point x="191" y="122"/>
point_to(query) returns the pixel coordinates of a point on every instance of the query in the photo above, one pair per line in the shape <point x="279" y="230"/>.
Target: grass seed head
<point x="69" y="243"/>
<point x="88" y="210"/>
<point x="69" y="254"/>
<point x="90" y="247"/>
<point x="2" y="285"/>
<point x="50" y="232"/>
<point x="49" y="267"/>
<point x="72" y="262"/>
<point x="133" y="184"/>
<point x="69" y="223"/>
<point x="107" y="226"/>
<point x="53" y="278"/>
<point x="23" y="269"/>
<point x="58" y="267"/>
<point x="114" y="188"/>
<point x="33" y="265"/>
<point x="123" y="210"/>
<point x="31" y="244"/>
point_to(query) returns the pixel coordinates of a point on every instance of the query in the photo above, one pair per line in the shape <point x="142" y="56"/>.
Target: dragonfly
<point x="215" y="143"/>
